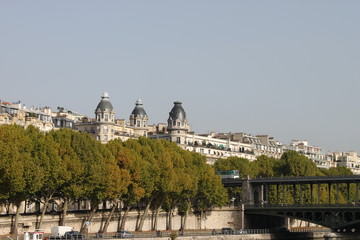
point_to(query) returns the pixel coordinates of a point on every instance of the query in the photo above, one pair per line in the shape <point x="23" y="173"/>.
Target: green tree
<point x="265" y="166"/>
<point x="235" y="163"/>
<point x="296" y="164"/>
<point x="128" y="158"/>
<point x="72" y="169"/>
<point x="46" y="158"/>
<point x="21" y="176"/>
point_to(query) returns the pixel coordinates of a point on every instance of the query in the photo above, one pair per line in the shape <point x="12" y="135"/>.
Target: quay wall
<point x="217" y="218"/>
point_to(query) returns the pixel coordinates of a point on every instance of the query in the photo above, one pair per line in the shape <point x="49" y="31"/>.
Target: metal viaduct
<point x="306" y="195"/>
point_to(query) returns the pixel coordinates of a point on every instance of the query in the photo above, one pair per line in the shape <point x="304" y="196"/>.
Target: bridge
<point x="270" y="197"/>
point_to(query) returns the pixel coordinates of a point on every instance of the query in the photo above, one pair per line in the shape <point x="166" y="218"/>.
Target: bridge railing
<point x="310" y="177"/>
<point x="350" y="205"/>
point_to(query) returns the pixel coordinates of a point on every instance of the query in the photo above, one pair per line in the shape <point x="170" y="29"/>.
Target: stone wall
<point x="218" y="218"/>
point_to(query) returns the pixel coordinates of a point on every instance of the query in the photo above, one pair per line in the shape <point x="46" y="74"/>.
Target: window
<point x="178" y="140"/>
<point x="105" y="138"/>
<point x="106" y="117"/>
<point x="105" y="129"/>
<point x="138" y="123"/>
<point x="178" y="124"/>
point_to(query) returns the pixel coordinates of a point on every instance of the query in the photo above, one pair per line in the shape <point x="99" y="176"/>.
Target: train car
<point x="228" y="173"/>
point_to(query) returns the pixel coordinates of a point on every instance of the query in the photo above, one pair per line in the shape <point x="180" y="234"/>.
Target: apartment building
<point x="349" y="159"/>
<point x="105" y="126"/>
<point x="213" y="145"/>
<point x="314" y="153"/>
<point x="17" y="113"/>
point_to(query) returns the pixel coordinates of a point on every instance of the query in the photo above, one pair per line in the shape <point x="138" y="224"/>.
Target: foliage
<point x="72" y="166"/>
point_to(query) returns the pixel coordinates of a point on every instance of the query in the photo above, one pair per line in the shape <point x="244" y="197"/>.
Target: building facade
<point x="350" y="160"/>
<point x="17" y="113"/>
<point x="105" y="126"/>
<point x="213" y="145"/>
<point x="314" y="153"/>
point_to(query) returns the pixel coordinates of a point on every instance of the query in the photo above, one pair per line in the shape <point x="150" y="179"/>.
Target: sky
<point x="289" y="69"/>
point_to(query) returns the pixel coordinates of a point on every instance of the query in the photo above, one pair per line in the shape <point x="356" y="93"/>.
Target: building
<point x="65" y="118"/>
<point x="213" y="145"/>
<point x="261" y="144"/>
<point x="350" y="160"/>
<point x="312" y="152"/>
<point x="139" y="120"/>
<point x="17" y="113"/>
<point x="105" y="127"/>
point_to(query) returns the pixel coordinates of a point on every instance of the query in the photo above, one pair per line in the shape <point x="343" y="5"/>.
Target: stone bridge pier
<point x="253" y="195"/>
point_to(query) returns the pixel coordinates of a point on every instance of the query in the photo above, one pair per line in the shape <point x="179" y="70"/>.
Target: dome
<point x="104" y="103"/>
<point x="138" y="110"/>
<point x="177" y="112"/>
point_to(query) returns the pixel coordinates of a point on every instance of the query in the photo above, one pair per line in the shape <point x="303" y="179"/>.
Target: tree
<point x="21" y="176"/>
<point x="47" y="159"/>
<point x="211" y="192"/>
<point x="236" y="163"/>
<point x="95" y="181"/>
<point x="296" y="164"/>
<point x="265" y="166"/>
<point x="72" y="169"/>
<point x="128" y="158"/>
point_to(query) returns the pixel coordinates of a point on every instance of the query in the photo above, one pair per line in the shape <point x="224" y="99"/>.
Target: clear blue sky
<point x="290" y="69"/>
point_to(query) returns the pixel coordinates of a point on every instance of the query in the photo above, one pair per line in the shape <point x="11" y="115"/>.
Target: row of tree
<point x="70" y="166"/>
<point x="291" y="164"/>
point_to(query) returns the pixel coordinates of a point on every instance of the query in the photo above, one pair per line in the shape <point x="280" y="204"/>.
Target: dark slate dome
<point x="104" y="103"/>
<point x="177" y="112"/>
<point x="139" y="110"/>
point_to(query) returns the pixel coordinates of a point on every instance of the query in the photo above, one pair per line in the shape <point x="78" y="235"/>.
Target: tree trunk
<point x="84" y="227"/>
<point x="46" y="203"/>
<point x="155" y="226"/>
<point x="109" y="218"/>
<point x="184" y="226"/>
<point x="14" y="229"/>
<point x="123" y="220"/>
<point x="64" y="213"/>
<point x="142" y="219"/>
<point x="170" y="219"/>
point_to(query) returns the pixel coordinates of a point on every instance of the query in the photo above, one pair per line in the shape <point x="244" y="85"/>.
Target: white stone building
<point x="105" y="127"/>
<point x="214" y="146"/>
<point x="350" y="160"/>
<point x="17" y="113"/>
<point x="312" y="152"/>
